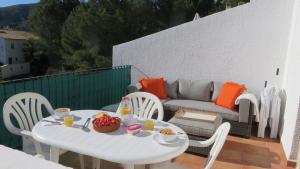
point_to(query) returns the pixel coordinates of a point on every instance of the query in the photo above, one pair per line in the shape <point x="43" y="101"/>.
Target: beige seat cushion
<point x="174" y="105"/>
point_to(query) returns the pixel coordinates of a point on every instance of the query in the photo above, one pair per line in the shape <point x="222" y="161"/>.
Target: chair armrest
<point x="133" y="88"/>
<point x="206" y="143"/>
<point x="244" y="110"/>
<point x="26" y="133"/>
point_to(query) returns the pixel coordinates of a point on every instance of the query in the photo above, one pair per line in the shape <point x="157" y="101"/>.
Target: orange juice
<point x="149" y="124"/>
<point x="68" y="121"/>
<point x="125" y="106"/>
<point x="124" y="111"/>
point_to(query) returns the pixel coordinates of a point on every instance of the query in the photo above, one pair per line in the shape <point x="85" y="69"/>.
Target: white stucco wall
<point x="16" y="53"/>
<point x="291" y="84"/>
<point x="8" y="71"/>
<point x="2" y="50"/>
<point x="245" y="44"/>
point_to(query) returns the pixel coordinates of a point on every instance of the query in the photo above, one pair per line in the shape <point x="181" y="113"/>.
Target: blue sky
<point x="4" y="3"/>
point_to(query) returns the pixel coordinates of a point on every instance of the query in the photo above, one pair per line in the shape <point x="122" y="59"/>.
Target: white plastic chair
<point x="144" y="105"/>
<point x="218" y="139"/>
<point x="26" y="108"/>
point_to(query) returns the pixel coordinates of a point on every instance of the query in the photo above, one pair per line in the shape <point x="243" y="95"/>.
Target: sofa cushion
<point x="194" y="90"/>
<point x="217" y="87"/>
<point x="134" y="88"/>
<point x="229" y="94"/>
<point x="174" y="105"/>
<point x="172" y="89"/>
<point x="155" y="86"/>
<point x="164" y="100"/>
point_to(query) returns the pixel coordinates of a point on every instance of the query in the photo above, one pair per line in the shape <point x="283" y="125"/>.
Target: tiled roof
<point x="9" y="34"/>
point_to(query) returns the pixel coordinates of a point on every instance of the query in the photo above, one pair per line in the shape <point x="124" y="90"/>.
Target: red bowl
<point x="106" y="129"/>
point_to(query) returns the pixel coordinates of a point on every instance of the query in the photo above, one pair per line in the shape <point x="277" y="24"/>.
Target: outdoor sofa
<point x="199" y="95"/>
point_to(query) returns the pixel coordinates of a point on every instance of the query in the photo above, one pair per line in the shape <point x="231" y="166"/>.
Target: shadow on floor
<point x="248" y="154"/>
<point x="71" y="159"/>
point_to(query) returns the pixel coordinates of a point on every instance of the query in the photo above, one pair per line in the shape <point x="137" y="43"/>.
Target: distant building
<point x="12" y="58"/>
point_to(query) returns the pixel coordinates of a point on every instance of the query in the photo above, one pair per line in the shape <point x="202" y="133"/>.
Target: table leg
<point x="96" y="163"/>
<point x="128" y="166"/>
<point x="54" y="154"/>
<point x="140" y="167"/>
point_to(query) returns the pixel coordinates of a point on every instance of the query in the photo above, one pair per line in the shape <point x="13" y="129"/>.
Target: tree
<point x="93" y="28"/>
<point x="47" y="21"/>
<point x="35" y="53"/>
<point x="202" y="7"/>
<point x="80" y="43"/>
<point x="233" y="2"/>
<point x="190" y="7"/>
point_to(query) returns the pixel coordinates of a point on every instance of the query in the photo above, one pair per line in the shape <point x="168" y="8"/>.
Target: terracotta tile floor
<point x="237" y="153"/>
<point x="241" y="153"/>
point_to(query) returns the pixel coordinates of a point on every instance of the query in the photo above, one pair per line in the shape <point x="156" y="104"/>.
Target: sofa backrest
<point x="188" y="89"/>
<point x="194" y="90"/>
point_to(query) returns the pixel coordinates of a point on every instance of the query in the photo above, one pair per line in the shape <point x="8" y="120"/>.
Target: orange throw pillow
<point x="155" y="86"/>
<point x="229" y="94"/>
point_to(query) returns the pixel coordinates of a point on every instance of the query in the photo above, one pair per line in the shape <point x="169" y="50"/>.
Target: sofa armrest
<point x="244" y="110"/>
<point x="133" y="88"/>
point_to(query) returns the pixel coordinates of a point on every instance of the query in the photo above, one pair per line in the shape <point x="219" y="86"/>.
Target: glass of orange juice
<point x="125" y="106"/>
<point x="125" y="111"/>
<point x="149" y="124"/>
<point x="69" y="120"/>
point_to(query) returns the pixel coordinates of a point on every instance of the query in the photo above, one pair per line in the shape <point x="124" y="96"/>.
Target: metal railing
<point x="91" y="89"/>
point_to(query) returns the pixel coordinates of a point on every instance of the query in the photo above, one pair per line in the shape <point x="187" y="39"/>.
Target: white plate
<point x="157" y="138"/>
<point x="57" y="117"/>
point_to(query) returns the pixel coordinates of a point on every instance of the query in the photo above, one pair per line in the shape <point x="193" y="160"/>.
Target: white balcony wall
<point x="245" y="44"/>
<point x="291" y="120"/>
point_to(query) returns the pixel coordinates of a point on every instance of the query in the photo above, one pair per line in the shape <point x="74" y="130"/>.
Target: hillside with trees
<point x="15" y="17"/>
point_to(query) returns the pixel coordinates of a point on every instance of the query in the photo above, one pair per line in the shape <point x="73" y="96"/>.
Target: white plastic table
<point x="117" y="146"/>
<point x="14" y="159"/>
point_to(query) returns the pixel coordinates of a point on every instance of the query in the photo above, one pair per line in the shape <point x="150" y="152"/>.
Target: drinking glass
<point x="125" y="107"/>
<point x="125" y="110"/>
<point x="149" y="124"/>
<point x="69" y="120"/>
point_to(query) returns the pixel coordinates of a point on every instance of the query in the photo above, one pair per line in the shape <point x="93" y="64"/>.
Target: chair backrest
<point x="26" y="108"/>
<point x="144" y="105"/>
<point x="219" y="139"/>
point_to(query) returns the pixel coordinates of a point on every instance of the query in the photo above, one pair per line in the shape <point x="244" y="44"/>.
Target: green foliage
<point x="35" y="52"/>
<point x="93" y="28"/>
<point x="232" y="3"/>
<point x="48" y="18"/>
<point x="190" y="7"/>
<point x="47" y="21"/>
<point x="203" y="7"/>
